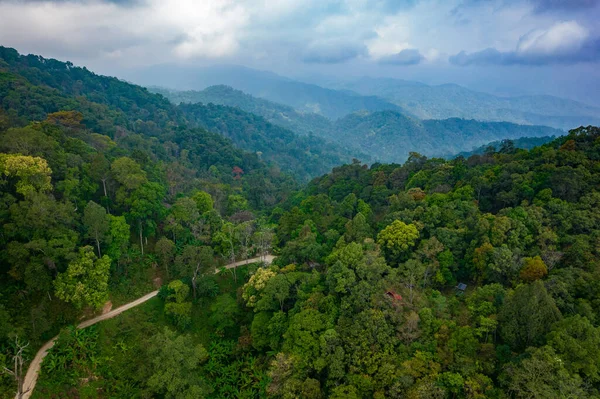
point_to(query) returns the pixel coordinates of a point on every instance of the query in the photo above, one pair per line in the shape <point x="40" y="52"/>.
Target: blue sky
<point x="532" y="46"/>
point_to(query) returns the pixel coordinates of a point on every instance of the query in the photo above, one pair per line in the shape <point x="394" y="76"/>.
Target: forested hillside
<point x="525" y="143"/>
<point x="389" y="136"/>
<point x="283" y="115"/>
<point x="32" y="86"/>
<point x="95" y="171"/>
<point x="386" y="136"/>
<point x="364" y="301"/>
<point x="305" y="156"/>
<point x="473" y="277"/>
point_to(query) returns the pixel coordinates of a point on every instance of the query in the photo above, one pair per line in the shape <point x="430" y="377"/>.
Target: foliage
<point x="85" y="282"/>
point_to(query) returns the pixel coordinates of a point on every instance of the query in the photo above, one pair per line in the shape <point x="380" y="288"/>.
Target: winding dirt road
<point x="35" y="365"/>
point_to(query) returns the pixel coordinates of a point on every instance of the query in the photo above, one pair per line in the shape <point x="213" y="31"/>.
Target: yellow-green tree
<point x="32" y="173"/>
<point x="397" y="239"/>
<point x="85" y="282"/>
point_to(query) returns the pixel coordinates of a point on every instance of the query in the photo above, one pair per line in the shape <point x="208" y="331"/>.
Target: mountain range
<point x="387" y="136"/>
<point x="335" y="98"/>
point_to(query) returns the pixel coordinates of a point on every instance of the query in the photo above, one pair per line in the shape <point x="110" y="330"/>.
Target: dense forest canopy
<point x="474" y="277"/>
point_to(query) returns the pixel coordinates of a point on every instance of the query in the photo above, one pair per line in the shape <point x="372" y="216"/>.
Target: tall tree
<point x="96" y="223"/>
<point x="527" y="315"/>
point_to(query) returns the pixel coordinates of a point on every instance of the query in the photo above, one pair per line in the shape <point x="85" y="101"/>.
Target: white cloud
<point x="563" y="37"/>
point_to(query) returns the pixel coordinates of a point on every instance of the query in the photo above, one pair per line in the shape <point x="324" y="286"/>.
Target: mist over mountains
<point x="386" y="135"/>
<point x="336" y="98"/>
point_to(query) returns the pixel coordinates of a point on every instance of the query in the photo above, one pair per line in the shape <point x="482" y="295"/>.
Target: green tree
<point x="128" y="173"/>
<point x="542" y="375"/>
<point x="32" y="173"/>
<point x="85" y="282"/>
<point x="397" y="239"/>
<point x="577" y="342"/>
<point x="175" y="362"/>
<point x="224" y="311"/>
<point x="96" y="223"/>
<point x="120" y="234"/>
<point x="204" y="201"/>
<point x="176" y="307"/>
<point x="165" y="249"/>
<point x="527" y="315"/>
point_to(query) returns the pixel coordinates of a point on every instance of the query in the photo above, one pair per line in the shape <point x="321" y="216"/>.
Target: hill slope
<point x="305" y="156"/>
<point x="279" y="114"/>
<point x="32" y="86"/>
<point x="384" y="136"/>
<point x="389" y="136"/>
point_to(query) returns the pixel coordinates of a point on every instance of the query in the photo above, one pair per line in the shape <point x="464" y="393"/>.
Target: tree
<point x="18" y="360"/>
<point x="577" y="342"/>
<point x="96" y="223"/>
<point x="412" y="272"/>
<point x="184" y="214"/>
<point x="175" y="361"/>
<point x="223" y="312"/>
<point x="244" y="232"/>
<point x="165" y="249"/>
<point x="32" y="173"/>
<point x="397" y="239"/>
<point x="193" y="262"/>
<point x="542" y="375"/>
<point x="176" y="308"/>
<point x="146" y="207"/>
<point x="204" y="201"/>
<point x="119" y="234"/>
<point x="533" y="269"/>
<point x="128" y="173"/>
<point x="357" y="229"/>
<point x="527" y="315"/>
<point x="85" y="282"/>
<point x="263" y="239"/>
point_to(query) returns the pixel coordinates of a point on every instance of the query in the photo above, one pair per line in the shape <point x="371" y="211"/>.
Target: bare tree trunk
<point x="141" y="240"/>
<point x="17" y="371"/>
<point x="194" y="279"/>
<point x="98" y="246"/>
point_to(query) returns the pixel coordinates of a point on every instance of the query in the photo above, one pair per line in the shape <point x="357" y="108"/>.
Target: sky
<point x="500" y="46"/>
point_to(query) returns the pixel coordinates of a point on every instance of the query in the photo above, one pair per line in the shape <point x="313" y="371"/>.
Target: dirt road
<point x="35" y="365"/>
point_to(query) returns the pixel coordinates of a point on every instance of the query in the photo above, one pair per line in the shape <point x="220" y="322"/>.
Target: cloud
<point x="333" y="53"/>
<point x="404" y="57"/>
<point x="563" y="43"/>
<point x="564" y="5"/>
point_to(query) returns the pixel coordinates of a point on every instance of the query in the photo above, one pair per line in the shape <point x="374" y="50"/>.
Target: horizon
<point x="500" y="47"/>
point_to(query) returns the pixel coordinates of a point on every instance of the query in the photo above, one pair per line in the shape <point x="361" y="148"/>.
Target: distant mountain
<point x="384" y="136"/>
<point x="450" y="100"/>
<point x="389" y="136"/>
<point x="303" y="97"/>
<point x="305" y="156"/>
<point x="283" y="115"/>
<point x="525" y="143"/>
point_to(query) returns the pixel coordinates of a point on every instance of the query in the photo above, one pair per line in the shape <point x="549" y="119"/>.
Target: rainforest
<point x="270" y="264"/>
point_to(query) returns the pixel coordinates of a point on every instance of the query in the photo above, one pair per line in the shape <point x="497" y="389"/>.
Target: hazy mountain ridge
<point x="303" y="97"/>
<point x="451" y="100"/>
<point x="390" y="137"/>
<point x="385" y="135"/>
<point x="336" y="98"/>
<point x="279" y="114"/>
